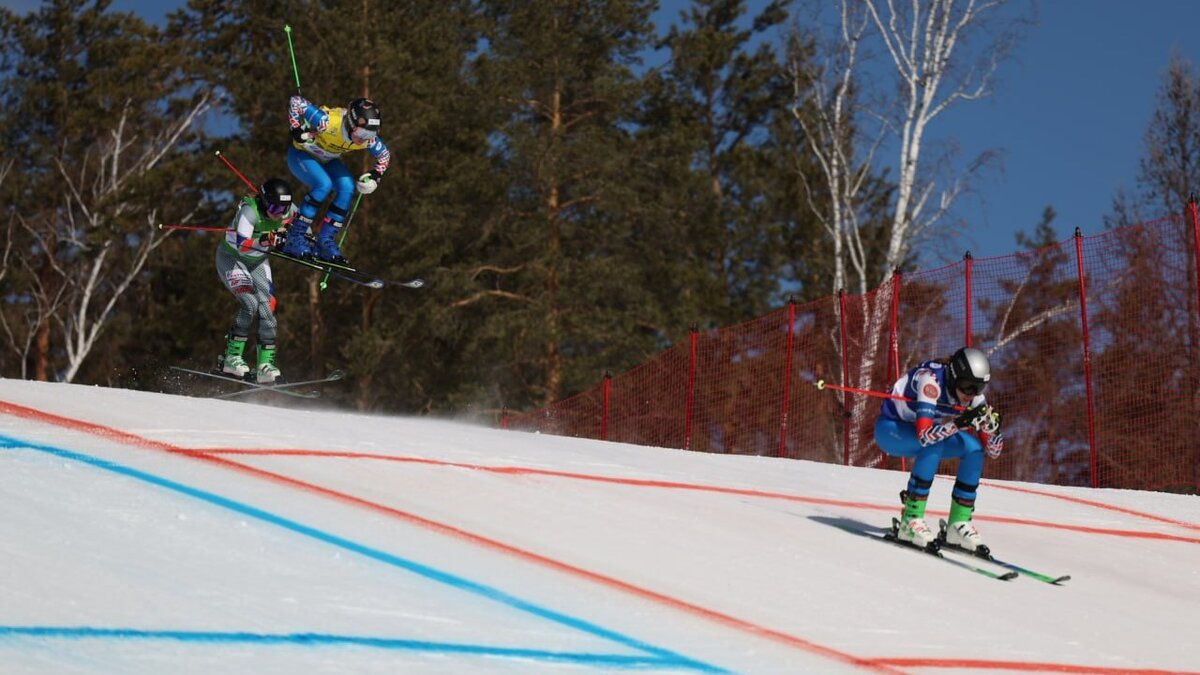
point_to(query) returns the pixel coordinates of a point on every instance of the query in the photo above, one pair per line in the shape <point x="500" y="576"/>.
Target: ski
<point x="282" y="387"/>
<point x="351" y="274"/>
<point x="341" y="272"/>
<point x="333" y="376"/>
<point x="314" y="262"/>
<point x="932" y="550"/>
<point x="415" y="282"/>
<point x="984" y="553"/>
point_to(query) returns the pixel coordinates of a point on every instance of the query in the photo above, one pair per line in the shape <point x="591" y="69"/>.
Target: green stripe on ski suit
<point x="262" y="225"/>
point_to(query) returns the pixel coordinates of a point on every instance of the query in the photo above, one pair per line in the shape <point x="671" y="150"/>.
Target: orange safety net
<point x="1094" y="345"/>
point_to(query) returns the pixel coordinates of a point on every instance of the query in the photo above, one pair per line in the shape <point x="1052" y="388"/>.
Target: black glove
<point x="272" y="239"/>
<point x="971" y="417"/>
<point x="301" y="134"/>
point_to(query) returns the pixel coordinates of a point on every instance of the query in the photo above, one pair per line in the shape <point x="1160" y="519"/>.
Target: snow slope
<point x="145" y="533"/>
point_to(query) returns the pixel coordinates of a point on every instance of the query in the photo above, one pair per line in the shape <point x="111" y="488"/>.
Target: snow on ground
<point x="145" y="534"/>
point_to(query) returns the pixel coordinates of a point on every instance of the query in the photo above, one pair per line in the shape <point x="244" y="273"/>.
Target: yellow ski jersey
<point x="333" y="141"/>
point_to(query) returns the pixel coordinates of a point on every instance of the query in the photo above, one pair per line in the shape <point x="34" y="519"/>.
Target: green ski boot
<point x="267" y="373"/>
<point x="232" y="362"/>
<point x="912" y="527"/>
<point x="960" y="531"/>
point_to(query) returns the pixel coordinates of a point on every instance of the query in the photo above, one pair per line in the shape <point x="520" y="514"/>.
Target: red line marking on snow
<point x="1095" y="504"/>
<point x="1133" y="534"/>
<point x="888" y="665"/>
<point x="696" y="610"/>
<point x="984" y="664"/>
<point x="524" y="471"/>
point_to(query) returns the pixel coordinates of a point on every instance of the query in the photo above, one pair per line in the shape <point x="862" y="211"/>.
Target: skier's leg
<point x="899" y="439"/>
<point x="335" y="218"/>
<point x="237" y="279"/>
<point x="960" y="530"/>
<point x="264" y="291"/>
<point x="311" y="172"/>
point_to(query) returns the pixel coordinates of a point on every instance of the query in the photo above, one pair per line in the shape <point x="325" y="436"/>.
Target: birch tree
<point x="938" y="63"/>
<point x="105" y="111"/>
<point x="101" y="275"/>
<point x="825" y="105"/>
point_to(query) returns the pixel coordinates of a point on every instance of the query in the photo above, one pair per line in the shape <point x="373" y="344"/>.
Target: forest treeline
<point x="578" y="187"/>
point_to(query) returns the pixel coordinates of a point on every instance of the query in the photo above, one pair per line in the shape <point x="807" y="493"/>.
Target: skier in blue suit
<point x="927" y="429"/>
<point x="320" y="136"/>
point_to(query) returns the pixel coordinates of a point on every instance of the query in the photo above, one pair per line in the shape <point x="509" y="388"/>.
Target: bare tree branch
<point x="922" y="42"/>
<point x="476" y="297"/>
<point x="94" y="284"/>
<point x="824" y="106"/>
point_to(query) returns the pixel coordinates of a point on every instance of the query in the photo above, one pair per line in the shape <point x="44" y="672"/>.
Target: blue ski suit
<point x="918" y="428"/>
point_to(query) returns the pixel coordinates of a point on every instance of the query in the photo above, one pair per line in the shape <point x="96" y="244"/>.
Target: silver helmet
<point x="969" y="371"/>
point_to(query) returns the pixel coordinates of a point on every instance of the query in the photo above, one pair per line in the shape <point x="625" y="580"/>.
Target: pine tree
<point x="550" y="280"/>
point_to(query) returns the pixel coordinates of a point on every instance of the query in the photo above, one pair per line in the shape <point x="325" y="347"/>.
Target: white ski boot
<point x="964" y="535"/>
<point x="914" y="531"/>
<point x="960" y="532"/>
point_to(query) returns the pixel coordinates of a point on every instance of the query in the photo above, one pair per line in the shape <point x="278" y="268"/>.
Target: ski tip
<point x="287" y="28"/>
<point x="337" y="374"/>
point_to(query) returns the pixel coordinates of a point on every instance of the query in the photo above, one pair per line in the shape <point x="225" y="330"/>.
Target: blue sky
<point x="1069" y="112"/>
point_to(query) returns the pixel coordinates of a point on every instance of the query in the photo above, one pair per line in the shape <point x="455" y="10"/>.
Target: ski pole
<point x="192" y="227"/>
<point x="822" y="385"/>
<point x="239" y="173"/>
<point x="345" y="228"/>
<point x="295" y="71"/>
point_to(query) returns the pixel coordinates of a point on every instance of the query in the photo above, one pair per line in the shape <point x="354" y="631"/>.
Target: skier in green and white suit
<point x="244" y="268"/>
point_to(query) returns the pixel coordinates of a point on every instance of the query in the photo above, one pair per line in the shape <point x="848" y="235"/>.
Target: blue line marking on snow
<point x="315" y="639"/>
<point x="664" y="658"/>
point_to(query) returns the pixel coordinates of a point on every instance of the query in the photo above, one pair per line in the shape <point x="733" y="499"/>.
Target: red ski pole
<point x="822" y="385"/>
<point x="239" y="173"/>
<point x="191" y="227"/>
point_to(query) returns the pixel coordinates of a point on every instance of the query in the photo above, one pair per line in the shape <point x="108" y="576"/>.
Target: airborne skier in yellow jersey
<point x="320" y="136"/>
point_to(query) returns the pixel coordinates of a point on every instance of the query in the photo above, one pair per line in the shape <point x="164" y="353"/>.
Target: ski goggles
<point x="279" y="210"/>
<point x="363" y="134"/>
<point x="970" y="387"/>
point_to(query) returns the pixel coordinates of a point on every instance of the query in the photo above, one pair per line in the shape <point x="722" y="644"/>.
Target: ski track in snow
<point x="147" y="533"/>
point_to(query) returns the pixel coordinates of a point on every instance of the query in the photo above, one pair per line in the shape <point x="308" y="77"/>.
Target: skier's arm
<point x="370" y="180"/>
<point x="302" y="112"/>
<point x="928" y="432"/>
<point x="243" y="227"/>
<point x="383" y="157"/>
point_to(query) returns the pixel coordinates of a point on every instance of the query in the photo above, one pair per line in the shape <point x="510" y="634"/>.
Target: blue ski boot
<point x="327" y="246"/>
<point x="298" y="245"/>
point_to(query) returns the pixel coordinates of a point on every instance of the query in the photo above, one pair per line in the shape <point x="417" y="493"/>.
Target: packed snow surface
<point x="145" y="533"/>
